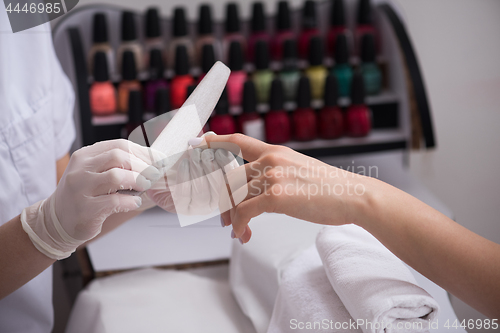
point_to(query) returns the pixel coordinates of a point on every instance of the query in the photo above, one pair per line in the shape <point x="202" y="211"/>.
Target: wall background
<point x="459" y="52"/>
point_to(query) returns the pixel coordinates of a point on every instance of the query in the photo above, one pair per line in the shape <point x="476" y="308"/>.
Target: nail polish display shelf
<point x="378" y="139"/>
<point x="398" y="113"/>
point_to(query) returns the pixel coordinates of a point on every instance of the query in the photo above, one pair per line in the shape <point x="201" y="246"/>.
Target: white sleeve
<point x="30" y="73"/>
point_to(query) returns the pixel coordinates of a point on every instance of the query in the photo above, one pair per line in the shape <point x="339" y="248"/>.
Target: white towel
<point x="306" y="301"/>
<point x="374" y="285"/>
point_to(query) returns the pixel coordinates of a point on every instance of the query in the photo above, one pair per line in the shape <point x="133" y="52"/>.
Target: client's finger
<point x="247" y="147"/>
<point x="249" y="209"/>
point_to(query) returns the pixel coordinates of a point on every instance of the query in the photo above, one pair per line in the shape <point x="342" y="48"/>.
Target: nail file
<point x="191" y="117"/>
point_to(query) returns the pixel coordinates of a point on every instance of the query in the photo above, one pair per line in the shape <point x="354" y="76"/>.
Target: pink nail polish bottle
<point x="259" y="30"/>
<point x="238" y="76"/>
<point x="277" y="121"/>
<point x="358" y="116"/>
<point x="207" y="60"/>
<point x="309" y="27"/>
<point x="330" y="118"/>
<point x="222" y="122"/>
<point x="304" y="118"/>
<point x="102" y="92"/>
<point x="283" y="30"/>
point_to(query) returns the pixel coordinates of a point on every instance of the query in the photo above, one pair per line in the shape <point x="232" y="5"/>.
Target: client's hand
<point x="280" y="180"/>
<point x="195" y="186"/>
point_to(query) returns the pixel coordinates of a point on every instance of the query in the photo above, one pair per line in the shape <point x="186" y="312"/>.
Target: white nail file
<point x="193" y="114"/>
<point x="191" y="117"/>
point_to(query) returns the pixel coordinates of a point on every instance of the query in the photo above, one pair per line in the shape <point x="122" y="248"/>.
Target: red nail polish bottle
<point x="358" y="117"/>
<point x="330" y="119"/>
<point x="182" y="80"/>
<point x="283" y="30"/>
<point x="102" y="92"/>
<point x="304" y="117"/>
<point x="222" y="122"/>
<point x="277" y="120"/>
<point x="238" y="76"/>
<point x="337" y="26"/>
<point x="364" y="25"/>
<point x="309" y="27"/>
<point x="259" y="30"/>
<point x="249" y="122"/>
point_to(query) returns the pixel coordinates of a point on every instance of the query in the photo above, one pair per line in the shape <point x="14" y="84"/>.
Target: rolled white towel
<point x="376" y="288"/>
<point x="306" y="301"/>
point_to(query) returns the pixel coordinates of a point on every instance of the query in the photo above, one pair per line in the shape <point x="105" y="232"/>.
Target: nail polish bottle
<point x="134" y="111"/>
<point x="182" y="79"/>
<point x="207" y="60"/>
<point x="304" y="118"/>
<point x="316" y="72"/>
<point x="259" y="30"/>
<point x="162" y="101"/>
<point x="262" y="76"/>
<point x="330" y="118"/>
<point x="180" y="36"/>
<point x="205" y="33"/>
<point x="369" y="68"/>
<point x="278" y="128"/>
<point x="358" y="115"/>
<point x="130" y="41"/>
<point x="337" y="25"/>
<point x="233" y="30"/>
<point x="156" y="79"/>
<point x="102" y="92"/>
<point x="238" y="76"/>
<point x="290" y="74"/>
<point x="342" y="70"/>
<point x="162" y="106"/>
<point x="222" y="123"/>
<point x="249" y="122"/>
<point x="154" y="39"/>
<point x="283" y="30"/>
<point x="309" y="27"/>
<point x="129" y="80"/>
<point x="364" y="25"/>
<point x="100" y="42"/>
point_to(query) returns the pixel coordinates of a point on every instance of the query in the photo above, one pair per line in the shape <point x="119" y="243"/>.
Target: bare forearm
<point x="20" y="261"/>
<point x="460" y="261"/>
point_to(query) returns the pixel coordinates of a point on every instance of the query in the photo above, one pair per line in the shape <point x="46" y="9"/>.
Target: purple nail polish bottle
<point x="156" y="80"/>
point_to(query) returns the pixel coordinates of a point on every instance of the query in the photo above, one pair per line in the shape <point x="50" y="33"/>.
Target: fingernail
<point x="222" y="222"/>
<point x="195" y="142"/>
<point x="138" y="201"/>
<point x="233" y="235"/>
<point x="241" y="242"/>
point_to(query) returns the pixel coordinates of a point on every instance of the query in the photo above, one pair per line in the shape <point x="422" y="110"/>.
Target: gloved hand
<point x="86" y="195"/>
<point x="195" y="185"/>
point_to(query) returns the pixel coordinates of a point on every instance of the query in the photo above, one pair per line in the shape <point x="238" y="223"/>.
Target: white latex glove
<point x="86" y="195"/>
<point x="193" y="187"/>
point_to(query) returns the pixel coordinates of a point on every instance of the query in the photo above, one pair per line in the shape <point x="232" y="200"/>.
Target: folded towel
<point x="306" y="301"/>
<point x="374" y="285"/>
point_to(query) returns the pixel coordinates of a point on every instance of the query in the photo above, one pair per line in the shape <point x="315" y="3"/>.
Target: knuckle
<point x="236" y="138"/>
<point x="115" y="176"/>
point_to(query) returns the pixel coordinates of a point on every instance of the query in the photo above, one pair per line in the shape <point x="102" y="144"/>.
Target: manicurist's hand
<point x="281" y="180"/>
<point x="88" y="193"/>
